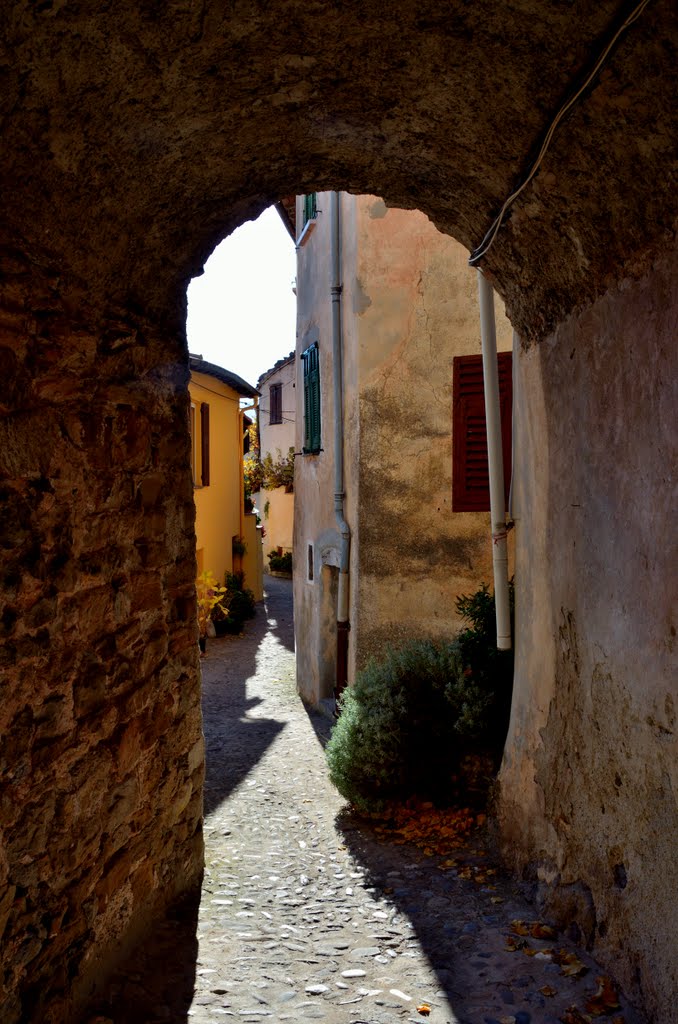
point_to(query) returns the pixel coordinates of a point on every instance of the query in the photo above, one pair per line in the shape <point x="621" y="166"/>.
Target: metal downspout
<point x="495" y="461"/>
<point x="343" y="624"/>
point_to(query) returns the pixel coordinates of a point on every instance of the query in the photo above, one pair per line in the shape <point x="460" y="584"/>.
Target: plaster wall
<point x="409" y="305"/>
<point x="252" y="561"/>
<point x="217" y="506"/>
<point x="314" y="522"/>
<point x="277" y="515"/>
<point x="278" y="436"/>
<point x="415" y="304"/>
<point x="589" y="783"/>
<point x="276" y="439"/>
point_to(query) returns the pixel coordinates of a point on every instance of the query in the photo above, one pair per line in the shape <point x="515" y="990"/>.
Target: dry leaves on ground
<point x="535" y="929"/>
<point x="432" y="829"/>
<point x="570" y="964"/>
<point x="575" y="1016"/>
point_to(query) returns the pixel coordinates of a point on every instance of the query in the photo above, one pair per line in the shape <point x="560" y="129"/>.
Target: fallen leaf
<point x="534" y="928"/>
<point x="513" y="944"/>
<point x="424" y="1009"/>
<point x="548" y="991"/>
<point x="542" y="931"/>
<point x="570" y="964"/>
<point x="605" y="998"/>
<point x="574" y="1016"/>
<point x="497" y="899"/>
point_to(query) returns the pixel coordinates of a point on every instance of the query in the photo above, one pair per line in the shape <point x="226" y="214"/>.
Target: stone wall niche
<point x="590" y="778"/>
<point x="100" y="735"/>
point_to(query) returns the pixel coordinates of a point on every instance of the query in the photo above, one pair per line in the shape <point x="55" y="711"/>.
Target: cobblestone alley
<point x="307" y="915"/>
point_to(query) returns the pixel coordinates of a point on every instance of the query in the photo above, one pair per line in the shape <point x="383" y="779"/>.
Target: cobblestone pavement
<point x="306" y="914"/>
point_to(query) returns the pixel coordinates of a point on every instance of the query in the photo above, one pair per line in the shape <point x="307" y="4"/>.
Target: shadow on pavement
<point x="157" y="985"/>
<point x="236" y="739"/>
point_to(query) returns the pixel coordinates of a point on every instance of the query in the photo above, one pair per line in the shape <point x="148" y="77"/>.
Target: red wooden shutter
<point x="470" y="481"/>
<point x="205" y="442"/>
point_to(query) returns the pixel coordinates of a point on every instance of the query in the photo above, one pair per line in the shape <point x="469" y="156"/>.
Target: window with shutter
<point x="275" y="401"/>
<point x="311" y="360"/>
<point x="205" y="443"/>
<point x="309" y="214"/>
<point x="470" y="480"/>
<point x="310" y="207"/>
<point x="191" y="427"/>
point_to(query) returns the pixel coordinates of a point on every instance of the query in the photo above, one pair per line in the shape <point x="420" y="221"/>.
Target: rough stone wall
<point x="589" y="785"/>
<point x="100" y="748"/>
<point x="134" y="138"/>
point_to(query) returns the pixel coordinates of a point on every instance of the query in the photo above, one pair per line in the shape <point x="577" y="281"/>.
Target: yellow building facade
<point x="227" y="538"/>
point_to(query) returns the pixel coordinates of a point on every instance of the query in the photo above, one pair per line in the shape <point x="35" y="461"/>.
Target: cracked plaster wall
<point x="416" y="308"/>
<point x="589" y="785"/>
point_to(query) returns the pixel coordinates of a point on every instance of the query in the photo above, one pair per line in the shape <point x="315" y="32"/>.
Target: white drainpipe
<point x="495" y="462"/>
<point x="343" y="527"/>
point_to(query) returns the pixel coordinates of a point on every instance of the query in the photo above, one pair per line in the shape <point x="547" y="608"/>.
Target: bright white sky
<point x="242" y="311"/>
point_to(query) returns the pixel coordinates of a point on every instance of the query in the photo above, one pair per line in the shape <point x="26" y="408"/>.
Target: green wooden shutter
<point x="310" y="207"/>
<point x="311" y="399"/>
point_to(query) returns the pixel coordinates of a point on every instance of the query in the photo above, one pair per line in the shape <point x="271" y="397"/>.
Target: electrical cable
<point x="492" y="231"/>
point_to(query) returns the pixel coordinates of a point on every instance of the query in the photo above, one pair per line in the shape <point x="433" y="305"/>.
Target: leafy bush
<point x="490" y="668"/>
<point x="269" y="473"/>
<point x="280" y="563"/>
<point x="412" y="722"/>
<point x="240" y="602"/>
<point x="403" y="725"/>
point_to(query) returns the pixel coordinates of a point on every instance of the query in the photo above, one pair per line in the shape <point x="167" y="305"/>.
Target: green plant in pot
<point x="240" y="605"/>
<point x="280" y="562"/>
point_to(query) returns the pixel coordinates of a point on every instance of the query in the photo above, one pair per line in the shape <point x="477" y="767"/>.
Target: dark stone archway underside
<point x="133" y="140"/>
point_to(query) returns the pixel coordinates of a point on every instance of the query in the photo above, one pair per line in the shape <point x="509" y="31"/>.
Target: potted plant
<point x="210" y="596"/>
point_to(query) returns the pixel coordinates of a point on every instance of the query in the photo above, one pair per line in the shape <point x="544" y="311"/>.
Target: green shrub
<point x="404" y="725"/>
<point x="280" y="563"/>
<point x="488" y="667"/>
<point x="412" y="721"/>
<point x="240" y="602"/>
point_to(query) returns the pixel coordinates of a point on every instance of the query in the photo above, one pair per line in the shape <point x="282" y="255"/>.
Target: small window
<point x="191" y="427"/>
<point x="310" y="207"/>
<point x="309" y="216"/>
<point x="275" y="401"/>
<point x="311" y="361"/>
<point x="310" y="563"/>
<point x="470" y="477"/>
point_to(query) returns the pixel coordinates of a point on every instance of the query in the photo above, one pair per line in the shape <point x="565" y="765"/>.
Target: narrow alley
<point x="309" y="914"/>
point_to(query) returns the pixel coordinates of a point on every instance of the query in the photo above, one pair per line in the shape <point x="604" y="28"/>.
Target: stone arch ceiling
<point x="136" y="134"/>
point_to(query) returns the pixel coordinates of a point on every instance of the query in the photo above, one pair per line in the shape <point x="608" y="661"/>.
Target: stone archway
<point x="131" y="143"/>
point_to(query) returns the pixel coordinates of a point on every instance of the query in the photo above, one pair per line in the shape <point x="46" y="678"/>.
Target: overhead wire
<point x="492" y="231"/>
